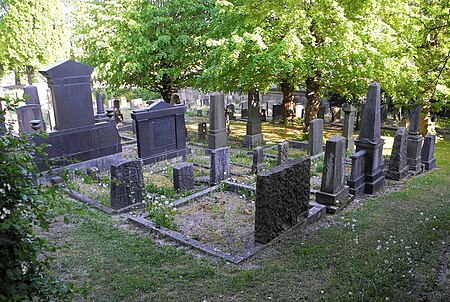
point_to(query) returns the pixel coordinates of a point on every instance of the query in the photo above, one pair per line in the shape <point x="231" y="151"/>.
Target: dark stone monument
<point x="258" y="160"/>
<point x="398" y="163"/>
<point x="31" y="111"/>
<point x="282" y="198"/>
<point x="101" y="115"/>
<point x="315" y="140"/>
<point x="202" y="131"/>
<point x="333" y="189"/>
<point x="427" y="155"/>
<point x="277" y="111"/>
<point x="160" y="131"/>
<point x="283" y="152"/>
<point x="217" y="137"/>
<point x="183" y="177"/>
<point x="31" y="95"/>
<point x="324" y="109"/>
<point x="415" y="141"/>
<point x="127" y="181"/>
<point x="118" y="116"/>
<point x="78" y="137"/>
<point x="357" y="180"/>
<point x="244" y="113"/>
<point x="220" y="164"/>
<point x="349" y="121"/>
<point x="254" y="136"/>
<point x="370" y="141"/>
<point x="384" y="113"/>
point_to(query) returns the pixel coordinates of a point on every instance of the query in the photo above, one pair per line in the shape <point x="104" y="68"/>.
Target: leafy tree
<point x="31" y="35"/>
<point x="24" y="207"/>
<point x="147" y="44"/>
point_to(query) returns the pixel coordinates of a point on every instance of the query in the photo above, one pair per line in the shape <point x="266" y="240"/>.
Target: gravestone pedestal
<point x="254" y="136"/>
<point x="283" y="152"/>
<point x="217" y="137"/>
<point x="258" y="160"/>
<point x="357" y="180"/>
<point x="415" y="141"/>
<point x="315" y="140"/>
<point x="349" y="121"/>
<point x="183" y="177"/>
<point x="398" y="163"/>
<point x="220" y="165"/>
<point x="427" y="156"/>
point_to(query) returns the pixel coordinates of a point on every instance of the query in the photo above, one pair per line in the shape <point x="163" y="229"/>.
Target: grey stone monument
<point x="258" y="160"/>
<point x="220" y="164"/>
<point x="282" y="198"/>
<point x="398" y="163"/>
<point x="101" y="115"/>
<point x="127" y="181"/>
<point x="357" y="180"/>
<point x="415" y="141"/>
<point x="202" y="131"/>
<point x="31" y="95"/>
<point x="283" y="152"/>
<point x="333" y="190"/>
<point x="217" y="137"/>
<point x="315" y="140"/>
<point x="427" y="155"/>
<point x="31" y="111"/>
<point x="370" y="141"/>
<point x="254" y="136"/>
<point x="349" y="121"/>
<point x="183" y="176"/>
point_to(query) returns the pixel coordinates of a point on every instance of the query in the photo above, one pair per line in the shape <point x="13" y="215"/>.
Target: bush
<point x="24" y="209"/>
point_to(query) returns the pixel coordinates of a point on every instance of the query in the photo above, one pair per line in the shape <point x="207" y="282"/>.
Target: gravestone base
<point x="374" y="181"/>
<point x="333" y="199"/>
<point x="357" y="185"/>
<point x="414" y="151"/>
<point x="397" y="175"/>
<point x="430" y="165"/>
<point x="253" y="140"/>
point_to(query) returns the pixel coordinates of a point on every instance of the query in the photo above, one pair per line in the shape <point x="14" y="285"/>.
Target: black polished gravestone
<point x="78" y="138"/>
<point x="160" y="131"/>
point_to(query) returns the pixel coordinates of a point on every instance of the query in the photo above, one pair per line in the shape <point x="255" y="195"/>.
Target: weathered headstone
<point x="370" y="141"/>
<point x="217" y="137"/>
<point x="202" y="131"/>
<point x="127" y="181"/>
<point x="183" y="176"/>
<point x="398" y="163"/>
<point x="277" y="111"/>
<point x="258" y="160"/>
<point x="283" y="152"/>
<point x="101" y="115"/>
<point x="118" y="116"/>
<point x="220" y="164"/>
<point x="333" y="190"/>
<point x="427" y="156"/>
<point x="254" y="136"/>
<point x="282" y="198"/>
<point x="28" y="113"/>
<point x="31" y="95"/>
<point x="415" y="141"/>
<point x="357" y="180"/>
<point x="349" y="121"/>
<point x="315" y="140"/>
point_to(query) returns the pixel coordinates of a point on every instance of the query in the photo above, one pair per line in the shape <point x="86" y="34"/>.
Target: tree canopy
<point x="147" y="44"/>
<point x="32" y="35"/>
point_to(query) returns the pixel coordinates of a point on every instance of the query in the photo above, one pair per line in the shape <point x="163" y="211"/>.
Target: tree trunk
<point x="30" y="70"/>
<point x="288" y="100"/>
<point x="313" y="99"/>
<point x="166" y="88"/>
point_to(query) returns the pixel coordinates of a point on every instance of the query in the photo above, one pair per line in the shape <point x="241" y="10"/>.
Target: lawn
<point x="388" y="247"/>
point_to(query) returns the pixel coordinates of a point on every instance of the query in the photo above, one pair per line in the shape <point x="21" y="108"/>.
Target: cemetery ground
<point x="392" y="246"/>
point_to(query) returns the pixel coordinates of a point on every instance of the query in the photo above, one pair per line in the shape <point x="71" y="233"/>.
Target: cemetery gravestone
<point x="101" y="115"/>
<point x="202" y="131"/>
<point x="31" y="111"/>
<point x="118" y="116"/>
<point x="357" y="180"/>
<point x="398" y="163"/>
<point x="370" y="141"/>
<point x="220" y="164"/>
<point x="160" y="132"/>
<point x="315" y="140"/>
<point x="254" y="136"/>
<point x="349" y="121"/>
<point x="277" y="111"/>
<point x="127" y="181"/>
<point x="333" y="190"/>
<point x="183" y="176"/>
<point x="283" y="152"/>
<point x="258" y="160"/>
<point x="282" y="198"/>
<point x="415" y="140"/>
<point x="217" y="137"/>
<point x="427" y="156"/>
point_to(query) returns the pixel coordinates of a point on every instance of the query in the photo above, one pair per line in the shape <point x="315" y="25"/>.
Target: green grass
<point x="391" y="247"/>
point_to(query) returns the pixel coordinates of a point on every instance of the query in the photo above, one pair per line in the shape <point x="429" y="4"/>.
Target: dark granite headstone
<point x="220" y="164"/>
<point x="398" y="163"/>
<point x="415" y="141"/>
<point x="315" y="140"/>
<point x="283" y="152"/>
<point x="244" y="113"/>
<point x="333" y="190"/>
<point x="254" y="136"/>
<point x="349" y="121"/>
<point x="28" y="113"/>
<point x="31" y="95"/>
<point x="370" y="141"/>
<point x="217" y="137"/>
<point x="357" y="180"/>
<point x="202" y="131"/>
<point x="282" y="198"/>
<point x="277" y="111"/>
<point x="183" y="176"/>
<point x="258" y="160"/>
<point x="427" y="156"/>
<point x="127" y="181"/>
<point x="160" y="132"/>
<point x="118" y="116"/>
